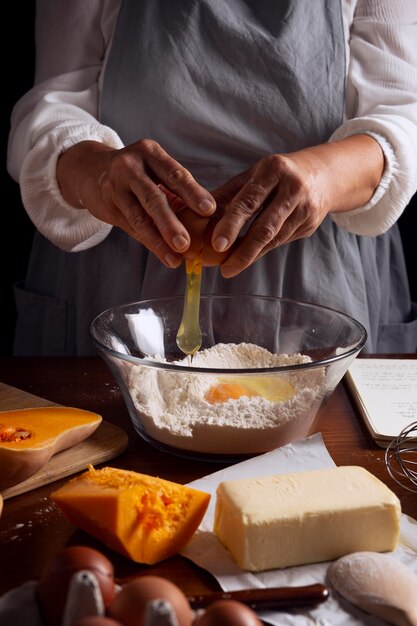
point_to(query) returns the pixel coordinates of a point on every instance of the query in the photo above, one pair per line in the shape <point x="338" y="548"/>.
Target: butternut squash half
<point x="145" y="518"/>
<point x="29" y="437"/>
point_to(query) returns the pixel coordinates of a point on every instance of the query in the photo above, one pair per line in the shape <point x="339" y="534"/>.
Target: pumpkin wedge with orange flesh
<point x="29" y="437"/>
<point x="145" y="518"/>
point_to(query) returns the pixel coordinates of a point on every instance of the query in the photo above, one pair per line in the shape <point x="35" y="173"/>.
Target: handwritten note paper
<point x="386" y="393"/>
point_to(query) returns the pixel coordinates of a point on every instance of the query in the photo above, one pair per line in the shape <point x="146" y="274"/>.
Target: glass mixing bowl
<point x="265" y="367"/>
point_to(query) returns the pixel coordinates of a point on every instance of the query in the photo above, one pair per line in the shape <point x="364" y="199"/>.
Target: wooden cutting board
<point x="107" y="442"/>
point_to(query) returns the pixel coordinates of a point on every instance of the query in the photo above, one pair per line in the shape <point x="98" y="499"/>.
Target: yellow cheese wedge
<point x="145" y="518"/>
<point x="306" y="517"/>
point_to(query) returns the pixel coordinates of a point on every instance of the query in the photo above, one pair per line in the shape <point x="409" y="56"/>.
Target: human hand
<point x="200" y="229"/>
<point x="280" y="199"/>
<point x="123" y="188"/>
<point x="285" y="197"/>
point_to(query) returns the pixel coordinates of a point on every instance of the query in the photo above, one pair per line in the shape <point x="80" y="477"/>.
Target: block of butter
<point x="292" y="519"/>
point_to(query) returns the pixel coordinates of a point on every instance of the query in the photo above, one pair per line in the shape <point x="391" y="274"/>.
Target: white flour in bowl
<point x="174" y="410"/>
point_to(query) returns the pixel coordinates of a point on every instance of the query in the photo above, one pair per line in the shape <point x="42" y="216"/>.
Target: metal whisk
<point x="401" y="458"/>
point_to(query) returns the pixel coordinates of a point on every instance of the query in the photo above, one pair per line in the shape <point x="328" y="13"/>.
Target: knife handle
<point x="274" y="598"/>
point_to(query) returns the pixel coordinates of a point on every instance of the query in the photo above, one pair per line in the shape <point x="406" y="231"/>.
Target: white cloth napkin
<point x="206" y="550"/>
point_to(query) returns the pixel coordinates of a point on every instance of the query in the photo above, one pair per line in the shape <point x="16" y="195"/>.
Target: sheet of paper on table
<point x="385" y="391"/>
<point x="206" y="550"/>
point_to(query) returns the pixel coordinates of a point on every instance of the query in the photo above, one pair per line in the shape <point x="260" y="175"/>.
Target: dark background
<point x="16" y="229"/>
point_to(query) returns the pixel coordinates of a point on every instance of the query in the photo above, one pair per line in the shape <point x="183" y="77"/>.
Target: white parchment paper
<point x="206" y="550"/>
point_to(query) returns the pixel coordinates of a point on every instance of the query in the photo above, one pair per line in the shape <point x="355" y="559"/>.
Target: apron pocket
<point x="399" y="338"/>
<point x="41" y="327"/>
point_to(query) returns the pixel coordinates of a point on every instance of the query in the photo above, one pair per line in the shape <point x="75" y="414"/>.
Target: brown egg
<point x="200" y="230"/>
<point x="96" y="620"/>
<point x="53" y="586"/>
<point x="129" y="605"/>
<point x="227" y="613"/>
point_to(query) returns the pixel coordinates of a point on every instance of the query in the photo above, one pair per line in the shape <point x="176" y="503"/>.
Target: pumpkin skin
<point x="29" y="437"/>
<point x="1" y="505"/>
<point x="145" y="518"/>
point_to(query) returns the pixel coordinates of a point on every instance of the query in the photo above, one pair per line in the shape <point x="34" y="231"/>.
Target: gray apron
<point x="220" y="84"/>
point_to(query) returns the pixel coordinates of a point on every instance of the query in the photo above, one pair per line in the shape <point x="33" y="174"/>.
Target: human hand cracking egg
<point x="200" y="229"/>
<point x="199" y="253"/>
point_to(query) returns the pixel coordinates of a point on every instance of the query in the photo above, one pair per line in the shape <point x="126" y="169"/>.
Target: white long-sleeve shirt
<point x="62" y="109"/>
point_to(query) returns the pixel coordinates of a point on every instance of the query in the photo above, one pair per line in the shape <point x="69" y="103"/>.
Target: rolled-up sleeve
<point x="381" y="101"/>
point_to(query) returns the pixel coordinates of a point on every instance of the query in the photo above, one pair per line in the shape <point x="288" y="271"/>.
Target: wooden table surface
<point x="33" y="530"/>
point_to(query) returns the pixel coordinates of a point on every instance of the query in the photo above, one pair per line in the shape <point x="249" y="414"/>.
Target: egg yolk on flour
<point x="271" y="388"/>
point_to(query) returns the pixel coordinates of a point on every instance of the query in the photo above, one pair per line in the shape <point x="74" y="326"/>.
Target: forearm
<point x="347" y="172"/>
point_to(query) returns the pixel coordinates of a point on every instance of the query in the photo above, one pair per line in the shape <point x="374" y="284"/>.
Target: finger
<point x="153" y="200"/>
<point x="151" y="239"/>
<point x="242" y="208"/>
<point x="289" y="231"/>
<point x="302" y="222"/>
<point x="177" y="178"/>
<point x="247" y="251"/>
<point x="136" y="222"/>
<point x="226" y="192"/>
<point x="176" y="203"/>
<point x="264" y="234"/>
